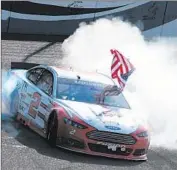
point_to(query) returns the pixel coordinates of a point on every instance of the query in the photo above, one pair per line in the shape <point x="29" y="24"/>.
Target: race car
<point x="79" y="111"/>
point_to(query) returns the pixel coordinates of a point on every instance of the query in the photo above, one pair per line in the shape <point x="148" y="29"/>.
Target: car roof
<point x="86" y="76"/>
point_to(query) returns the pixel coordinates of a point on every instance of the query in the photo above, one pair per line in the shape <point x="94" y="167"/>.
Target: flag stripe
<point x="120" y="68"/>
<point x="114" y="63"/>
<point x="115" y="68"/>
<point x="121" y="61"/>
<point x="124" y="63"/>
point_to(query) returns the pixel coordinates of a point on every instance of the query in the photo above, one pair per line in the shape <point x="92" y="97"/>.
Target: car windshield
<point x="90" y="92"/>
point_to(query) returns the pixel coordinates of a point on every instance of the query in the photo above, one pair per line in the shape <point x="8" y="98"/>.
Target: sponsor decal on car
<point x="34" y="105"/>
<point x="23" y="96"/>
<point x="30" y="94"/>
<point x="72" y="132"/>
<point x="21" y="108"/>
<point x="112" y="127"/>
<point x="24" y="86"/>
<point x="42" y="116"/>
<point x="18" y="86"/>
<point x="43" y="105"/>
<point x="26" y="104"/>
<point x="113" y="146"/>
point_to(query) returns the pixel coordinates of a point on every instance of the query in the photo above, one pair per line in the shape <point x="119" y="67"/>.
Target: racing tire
<point x="14" y="104"/>
<point x="52" y="130"/>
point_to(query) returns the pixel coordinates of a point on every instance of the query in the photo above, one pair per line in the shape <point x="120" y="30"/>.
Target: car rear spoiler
<point x="22" y="65"/>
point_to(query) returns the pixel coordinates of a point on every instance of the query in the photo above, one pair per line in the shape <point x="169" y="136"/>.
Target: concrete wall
<point x="62" y="17"/>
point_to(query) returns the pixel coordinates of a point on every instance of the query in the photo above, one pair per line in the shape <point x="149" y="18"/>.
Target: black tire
<point x="14" y="105"/>
<point x="52" y="130"/>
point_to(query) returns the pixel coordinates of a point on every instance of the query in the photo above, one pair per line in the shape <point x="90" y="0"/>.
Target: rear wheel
<point x="14" y="105"/>
<point x="52" y="130"/>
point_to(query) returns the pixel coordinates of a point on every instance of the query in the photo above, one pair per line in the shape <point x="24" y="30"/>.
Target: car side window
<point x="34" y="74"/>
<point x="45" y="83"/>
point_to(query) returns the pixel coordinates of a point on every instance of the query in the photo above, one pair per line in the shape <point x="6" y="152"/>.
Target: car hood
<point x="110" y="119"/>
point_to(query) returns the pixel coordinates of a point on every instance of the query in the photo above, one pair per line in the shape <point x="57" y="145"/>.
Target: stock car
<point x="78" y="111"/>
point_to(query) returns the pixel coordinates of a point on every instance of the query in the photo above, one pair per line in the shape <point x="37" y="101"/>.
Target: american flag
<point x="121" y="68"/>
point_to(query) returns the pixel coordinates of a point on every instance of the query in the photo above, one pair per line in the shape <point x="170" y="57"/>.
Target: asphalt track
<point x="23" y="149"/>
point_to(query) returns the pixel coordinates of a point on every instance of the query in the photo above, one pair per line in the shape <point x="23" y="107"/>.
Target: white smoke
<point x="151" y="89"/>
<point x="9" y="83"/>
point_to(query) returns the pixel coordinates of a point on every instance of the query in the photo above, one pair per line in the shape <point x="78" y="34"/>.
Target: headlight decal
<point x="74" y="124"/>
<point x="143" y="134"/>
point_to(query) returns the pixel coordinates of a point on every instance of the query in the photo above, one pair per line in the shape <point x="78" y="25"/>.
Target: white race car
<point x="78" y="111"/>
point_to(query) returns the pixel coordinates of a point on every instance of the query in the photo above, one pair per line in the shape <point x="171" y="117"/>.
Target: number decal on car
<point x="34" y="105"/>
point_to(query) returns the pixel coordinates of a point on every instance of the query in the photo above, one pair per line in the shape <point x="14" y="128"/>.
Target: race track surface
<point x="23" y="149"/>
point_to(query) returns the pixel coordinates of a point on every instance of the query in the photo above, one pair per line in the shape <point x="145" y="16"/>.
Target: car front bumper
<point x="77" y="140"/>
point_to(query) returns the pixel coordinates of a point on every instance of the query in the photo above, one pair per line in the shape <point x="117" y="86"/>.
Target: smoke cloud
<point x="151" y="89"/>
<point x="9" y="83"/>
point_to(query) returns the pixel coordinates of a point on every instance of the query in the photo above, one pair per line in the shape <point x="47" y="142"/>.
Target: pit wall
<point x="62" y="17"/>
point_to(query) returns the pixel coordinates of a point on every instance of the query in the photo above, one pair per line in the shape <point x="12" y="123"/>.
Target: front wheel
<point x="52" y="130"/>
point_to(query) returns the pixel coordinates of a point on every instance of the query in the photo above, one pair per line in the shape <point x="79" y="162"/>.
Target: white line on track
<point x="15" y="146"/>
<point x="7" y="137"/>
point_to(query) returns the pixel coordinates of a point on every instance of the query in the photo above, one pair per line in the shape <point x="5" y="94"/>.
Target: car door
<point x="46" y="89"/>
<point x="39" y="101"/>
<point x="29" y="93"/>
